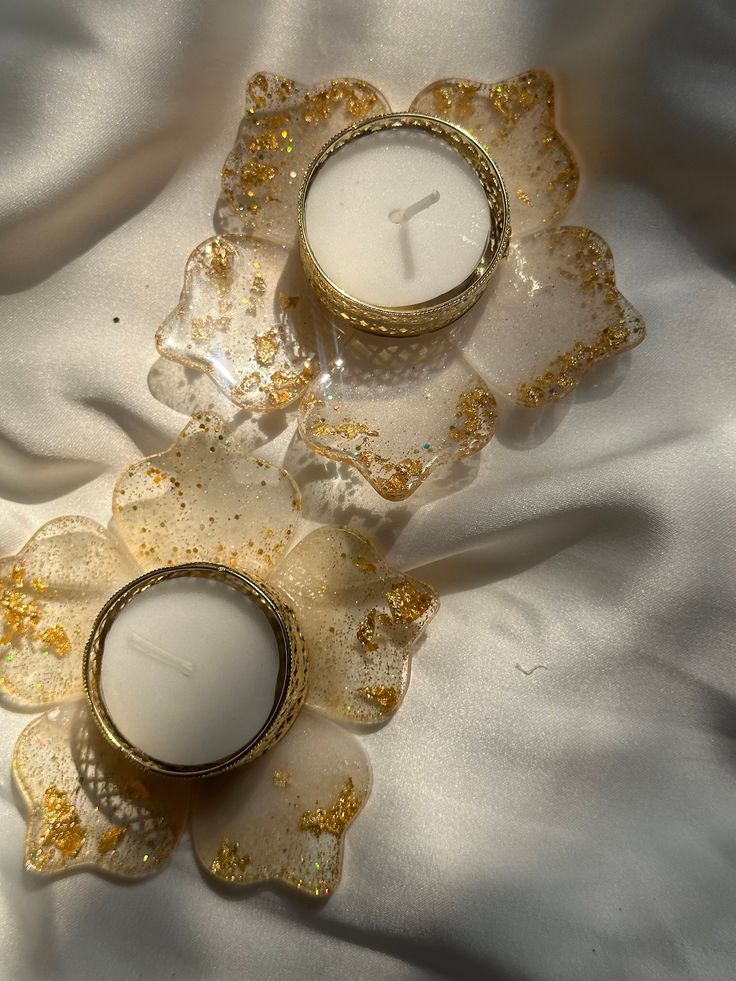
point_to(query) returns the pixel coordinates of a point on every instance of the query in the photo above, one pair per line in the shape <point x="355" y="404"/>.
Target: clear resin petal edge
<point x="360" y="619"/>
<point x="50" y="593"/>
<point x="553" y="316"/>
<point x="87" y="807"/>
<point x="244" y="319"/>
<point x="206" y="499"/>
<point x="284" y="817"/>
<point x="397" y="411"/>
<point x="515" y="120"/>
<point x="284" y="125"/>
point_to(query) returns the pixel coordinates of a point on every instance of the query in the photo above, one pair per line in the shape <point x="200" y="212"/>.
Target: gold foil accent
<point x="253" y="173"/>
<point x="367" y="630"/>
<point x="229" y="864"/>
<point x="267" y="346"/>
<point x="20" y="613"/>
<point x="406" y="603"/>
<point x="218" y="257"/>
<point x="350" y="430"/>
<point x="514" y="119"/>
<point x="136" y="791"/>
<point x="477" y="409"/>
<point x="386" y="696"/>
<point x="585" y="260"/>
<point x="287" y="302"/>
<point x="359" y="100"/>
<point x="335" y="819"/>
<point x="110" y="840"/>
<point x="282" y="777"/>
<point x="364" y="564"/>
<point x="57" y="639"/>
<point x="61" y="826"/>
<point x="567" y="369"/>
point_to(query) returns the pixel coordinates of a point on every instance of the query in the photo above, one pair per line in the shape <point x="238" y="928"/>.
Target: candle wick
<point x="401" y="215"/>
<point x="159" y="654"/>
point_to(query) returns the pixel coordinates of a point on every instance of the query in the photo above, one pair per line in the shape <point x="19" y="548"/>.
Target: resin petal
<point x="284" y="126"/>
<point x="359" y="618"/>
<point x="398" y="409"/>
<point x="515" y="120"/>
<point x="87" y="806"/>
<point x="50" y="594"/>
<point x="243" y="317"/>
<point x="206" y="500"/>
<point x="553" y="314"/>
<point x="284" y="816"/>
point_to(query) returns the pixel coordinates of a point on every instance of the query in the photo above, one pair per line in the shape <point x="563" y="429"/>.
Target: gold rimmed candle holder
<point x="291" y="685"/>
<point x="438" y="311"/>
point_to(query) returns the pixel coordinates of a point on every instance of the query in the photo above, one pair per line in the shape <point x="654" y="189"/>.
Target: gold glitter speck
<point x="335" y="819"/>
<point x="364" y="564"/>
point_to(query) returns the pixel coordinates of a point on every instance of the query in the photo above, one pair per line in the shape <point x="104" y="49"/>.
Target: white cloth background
<point x="577" y="823"/>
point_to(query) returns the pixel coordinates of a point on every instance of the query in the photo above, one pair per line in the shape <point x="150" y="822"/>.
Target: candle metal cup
<point x="441" y="310"/>
<point x="291" y="686"/>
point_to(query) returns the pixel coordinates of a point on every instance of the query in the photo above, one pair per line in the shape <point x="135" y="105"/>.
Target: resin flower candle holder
<point x="201" y="570"/>
<point x="397" y="408"/>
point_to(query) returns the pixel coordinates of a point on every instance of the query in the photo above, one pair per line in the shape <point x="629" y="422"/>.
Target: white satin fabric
<point x="577" y="822"/>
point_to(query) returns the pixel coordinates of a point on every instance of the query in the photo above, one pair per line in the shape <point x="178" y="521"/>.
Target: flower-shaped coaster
<point x="397" y="409"/>
<point x="280" y="817"/>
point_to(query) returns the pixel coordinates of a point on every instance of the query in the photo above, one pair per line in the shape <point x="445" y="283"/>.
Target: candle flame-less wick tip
<point x="400" y="216"/>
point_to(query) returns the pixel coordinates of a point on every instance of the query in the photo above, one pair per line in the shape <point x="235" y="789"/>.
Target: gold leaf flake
<point x="282" y="777"/>
<point x="367" y="630"/>
<point x="332" y="820"/>
<point x="61" y="826"/>
<point x="406" y="603"/>
<point x="111" y="839"/>
<point x="267" y="347"/>
<point x="349" y="430"/>
<point x="229" y="863"/>
<point x="57" y="639"/>
<point x="386" y="696"/>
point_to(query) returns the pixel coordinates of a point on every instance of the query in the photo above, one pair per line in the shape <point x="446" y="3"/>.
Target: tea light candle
<point x="189" y="670"/>
<point x="402" y="220"/>
<point x="397" y="218"/>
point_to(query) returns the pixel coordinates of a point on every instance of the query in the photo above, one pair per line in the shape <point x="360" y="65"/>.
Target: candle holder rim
<point x="292" y="666"/>
<point x="440" y="310"/>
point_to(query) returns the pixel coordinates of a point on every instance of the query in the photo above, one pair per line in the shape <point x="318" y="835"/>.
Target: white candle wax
<point x="354" y="208"/>
<point x="189" y="670"/>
